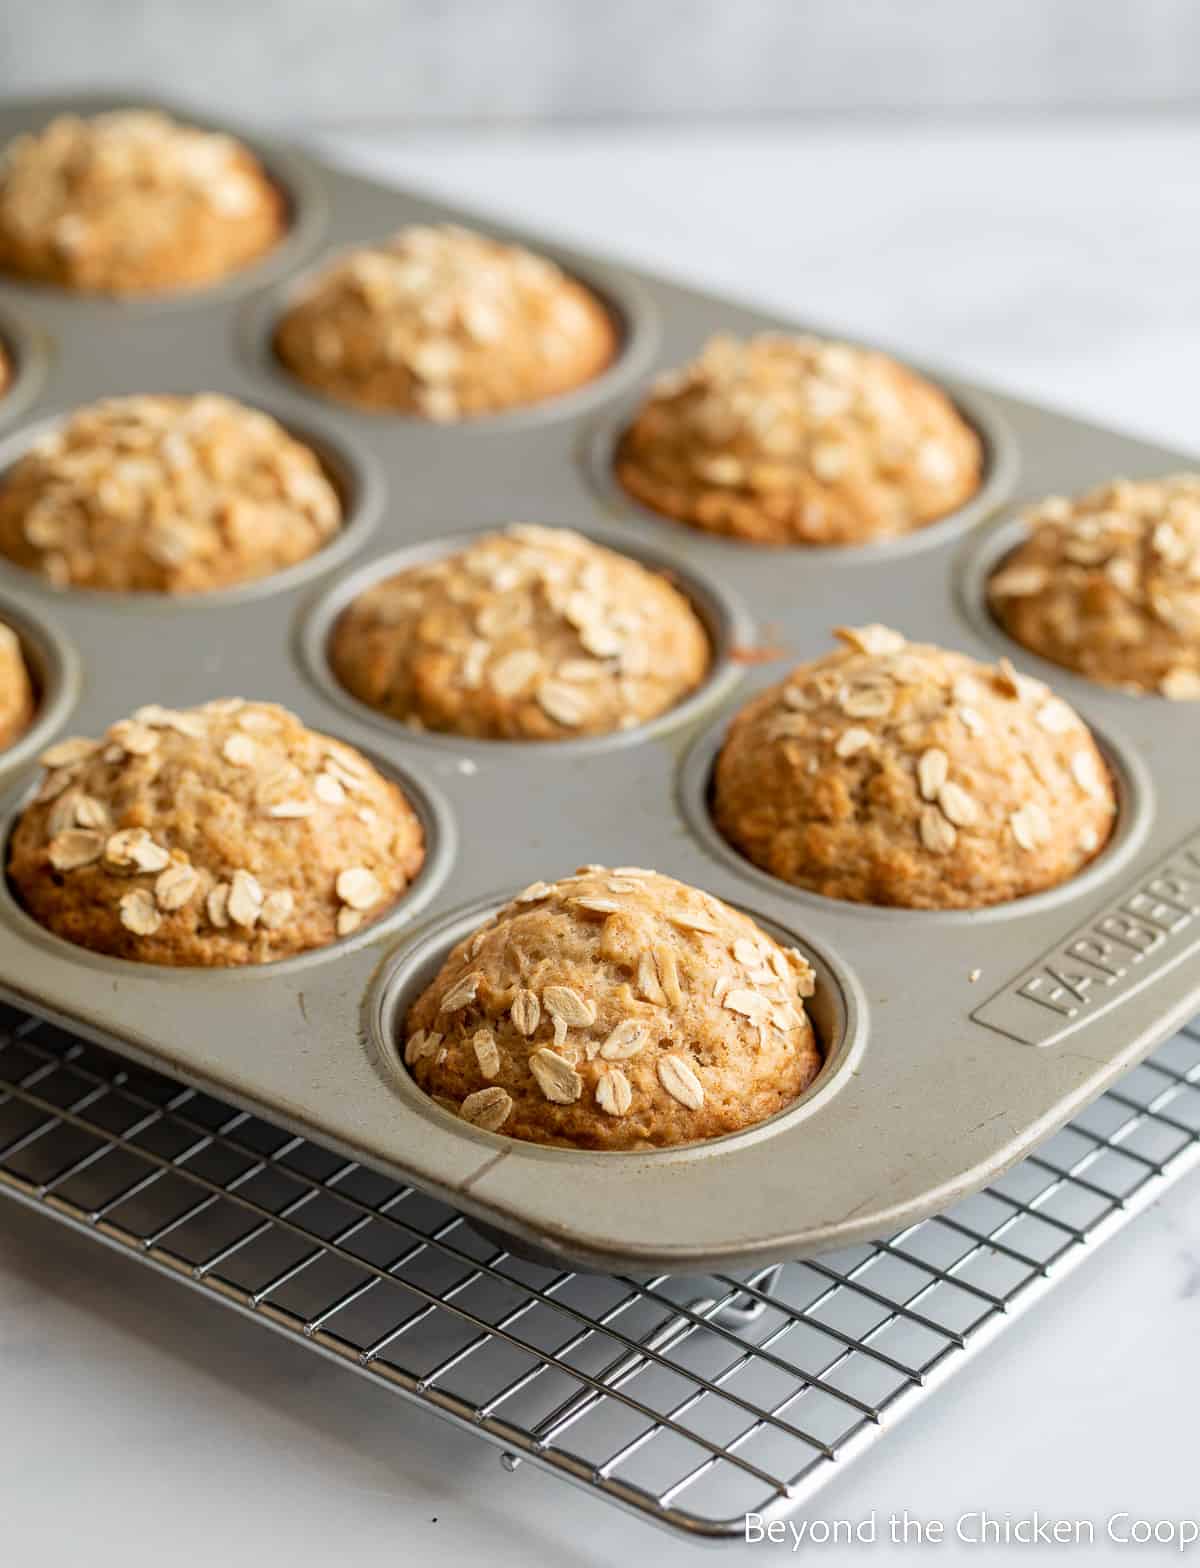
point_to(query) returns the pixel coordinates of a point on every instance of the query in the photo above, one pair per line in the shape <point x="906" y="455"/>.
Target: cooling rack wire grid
<point x="689" y="1401"/>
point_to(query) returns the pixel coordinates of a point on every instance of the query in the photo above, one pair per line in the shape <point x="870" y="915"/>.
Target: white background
<point x="141" y="1424"/>
<point x="393" y="62"/>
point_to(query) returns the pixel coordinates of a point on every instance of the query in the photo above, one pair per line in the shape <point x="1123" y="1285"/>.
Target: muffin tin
<point x="955" y="1041"/>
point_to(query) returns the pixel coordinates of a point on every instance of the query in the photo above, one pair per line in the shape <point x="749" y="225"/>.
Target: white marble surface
<point x="143" y="1425"/>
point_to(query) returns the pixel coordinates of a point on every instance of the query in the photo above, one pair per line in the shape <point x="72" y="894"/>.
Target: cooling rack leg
<point x="736" y="1314"/>
<point x="741" y="1313"/>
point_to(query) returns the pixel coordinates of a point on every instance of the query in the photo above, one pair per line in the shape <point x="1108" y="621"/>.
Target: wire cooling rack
<point x="689" y="1401"/>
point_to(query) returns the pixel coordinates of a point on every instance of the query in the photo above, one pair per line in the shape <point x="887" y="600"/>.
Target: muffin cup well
<point x="296" y="178"/>
<point x="55" y="671"/>
<point x="984" y="557"/>
<point x="598" y="453"/>
<point x="352" y="472"/>
<point x="628" y="304"/>
<point x="1135" y="816"/>
<point x="725" y="620"/>
<point x="28" y="356"/>
<point x="437" y="826"/>
<point x="837" y="1010"/>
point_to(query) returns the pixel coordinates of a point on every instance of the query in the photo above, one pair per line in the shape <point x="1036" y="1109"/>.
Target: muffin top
<point x="796" y="440"/>
<point x="1108" y="585"/>
<point x="165" y="495"/>
<point x="213" y="836"/>
<point x="615" y="1010"/>
<point x="16" y="689"/>
<point x="445" y="323"/>
<point x="132" y="202"/>
<point x="530" y="634"/>
<point x="891" y="772"/>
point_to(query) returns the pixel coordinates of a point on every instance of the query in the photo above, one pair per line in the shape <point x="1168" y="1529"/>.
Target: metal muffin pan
<point x="937" y="1081"/>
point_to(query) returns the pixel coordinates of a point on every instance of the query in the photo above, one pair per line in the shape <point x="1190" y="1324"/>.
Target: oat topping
<point x="216" y="905"/>
<point x="561" y="1002"/>
<point x="625" y="1040"/>
<point x="533" y="633"/>
<point x="614" y="1093"/>
<point x="131" y="201"/>
<point x="68" y="753"/>
<point x="220" y="874"/>
<point x="678" y="1078"/>
<point x="176" y="886"/>
<point x="487" y="1053"/>
<point x="277" y="908"/>
<point x="446" y="323"/>
<point x="74" y="847"/>
<point x="616" y="1026"/>
<point x="526" y="1012"/>
<point x="937" y="833"/>
<point x="555" y="1076"/>
<point x="133" y="850"/>
<point x="462" y="994"/>
<point x="487" y="1108"/>
<point x="894" y="772"/>
<point x="87" y="504"/>
<point x="1108" y="584"/>
<point x="1030" y="825"/>
<point x="245" y="898"/>
<point x="138" y="912"/>
<point x="359" y="888"/>
<point x="425" y="1042"/>
<point x="799" y="440"/>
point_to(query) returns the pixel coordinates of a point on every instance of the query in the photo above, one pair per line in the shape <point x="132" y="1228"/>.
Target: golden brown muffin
<point x="794" y="440"/>
<point x="445" y="323"/>
<point x="890" y="772"/>
<point x="615" y="1010"/>
<point x="6" y="370"/>
<point x="530" y="634"/>
<point x="1109" y="585"/>
<point x="165" y="495"/>
<point x="16" y="689"/>
<point x="131" y="202"/>
<point x="214" y="836"/>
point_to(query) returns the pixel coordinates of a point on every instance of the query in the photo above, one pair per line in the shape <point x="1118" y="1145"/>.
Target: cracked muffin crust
<point x="615" y="1009"/>
<point x="16" y="689"/>
<point x="897" y="773"/>
<point x="1108" y="585"/>
<point x="796" y="440"/>
<point x="530" y="634"/>
<point x="446" y="324"/>
<point x="133" y="202"/>
<point x="214" y="836"/>
<point x="165" y="495"/>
